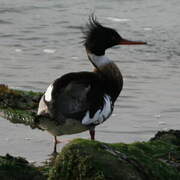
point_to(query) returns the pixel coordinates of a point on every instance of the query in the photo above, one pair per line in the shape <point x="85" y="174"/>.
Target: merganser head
<point x="98" y="38"/>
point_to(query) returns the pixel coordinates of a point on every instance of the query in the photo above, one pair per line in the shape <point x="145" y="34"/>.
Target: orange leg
<point x="56" y="141"/>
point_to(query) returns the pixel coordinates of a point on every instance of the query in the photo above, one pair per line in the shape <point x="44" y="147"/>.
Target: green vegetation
<point x="19" y="106"/>
<point x="12" y="168"/>
<point x="83" y="159"/>
<point x="157" y="159"/>
<point x="16" y="99"/>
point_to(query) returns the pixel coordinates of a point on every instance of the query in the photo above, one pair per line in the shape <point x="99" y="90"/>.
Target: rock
<point x="171" y="136"/>
<point x="157" y="159"/>
<point x="17" y="168"/>
<point x="171" y="154"/>
<point x="85" y="159"/>
<point x="92" y="160"/>
<point x="19" y="106"/>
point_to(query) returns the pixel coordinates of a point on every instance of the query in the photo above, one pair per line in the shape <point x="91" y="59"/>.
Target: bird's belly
<point x="70" y="126"/>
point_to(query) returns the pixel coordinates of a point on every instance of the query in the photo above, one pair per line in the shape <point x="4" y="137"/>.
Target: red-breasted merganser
<point x="80" y="101"/>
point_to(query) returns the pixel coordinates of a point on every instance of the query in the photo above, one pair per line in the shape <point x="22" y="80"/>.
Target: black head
<point x="98" y="38"/>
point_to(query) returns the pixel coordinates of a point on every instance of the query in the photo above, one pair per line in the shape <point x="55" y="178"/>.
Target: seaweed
<point x="157" y="159"/>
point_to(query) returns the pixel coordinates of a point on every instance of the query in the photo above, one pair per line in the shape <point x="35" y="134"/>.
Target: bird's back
<point x="69" y="99"/>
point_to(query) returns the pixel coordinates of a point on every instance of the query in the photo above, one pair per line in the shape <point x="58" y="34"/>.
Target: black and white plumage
<point x="80" y="101"/>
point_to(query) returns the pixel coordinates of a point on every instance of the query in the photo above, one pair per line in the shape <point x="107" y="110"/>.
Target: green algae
<point x="19" y="106"/>
<point x="17" y="168"/>
<point x="92" y="160"/>
<point x="152" y="158"/>
<point x="157" y="159"/>
<point x="19" y="116"/>
<point x="18" y="99"/>
<point x="84" y="159"/>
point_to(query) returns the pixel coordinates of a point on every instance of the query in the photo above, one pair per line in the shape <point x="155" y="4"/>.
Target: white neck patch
<point x="99" y="60"/>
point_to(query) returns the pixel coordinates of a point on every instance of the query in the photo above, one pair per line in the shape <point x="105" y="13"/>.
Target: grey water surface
<point x="42" y="40"/>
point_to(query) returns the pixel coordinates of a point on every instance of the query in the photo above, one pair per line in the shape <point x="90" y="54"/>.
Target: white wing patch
<point x="42" y="109"/>
<point x="48" y="93"/>
<point x="101" y="115"/>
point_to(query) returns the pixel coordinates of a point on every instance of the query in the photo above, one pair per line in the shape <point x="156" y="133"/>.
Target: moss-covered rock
<point x="18" y="99"/>
<point x="12" y="168"/>
<point x="19" y="106"/>
<point x="86" y="160"/>
<point x="157" y="159"/>
<point x="171" y="137"/>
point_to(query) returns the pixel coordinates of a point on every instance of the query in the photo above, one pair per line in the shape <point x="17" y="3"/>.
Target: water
<point x="41" y="40"/>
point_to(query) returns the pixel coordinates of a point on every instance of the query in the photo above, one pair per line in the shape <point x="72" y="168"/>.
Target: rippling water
<point x="41" y="40"/>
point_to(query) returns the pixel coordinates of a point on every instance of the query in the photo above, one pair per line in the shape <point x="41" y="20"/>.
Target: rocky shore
<point x="156" y="159"/>
<point x="159" y="158"/>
